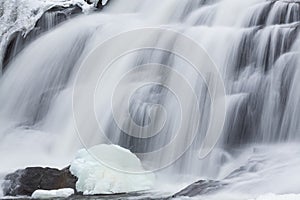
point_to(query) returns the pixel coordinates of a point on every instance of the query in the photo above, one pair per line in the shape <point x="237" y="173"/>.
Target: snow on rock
<point x="279" y="197"/>
<point x="46" y="194"/>
<point x="108" y="169"/>
<point x="104" y="2"/>
<point x="21" y="15"/>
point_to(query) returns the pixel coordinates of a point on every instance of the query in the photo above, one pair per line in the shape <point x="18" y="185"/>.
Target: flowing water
<point x="18" y="41"/>
<point x="255" y="45"/>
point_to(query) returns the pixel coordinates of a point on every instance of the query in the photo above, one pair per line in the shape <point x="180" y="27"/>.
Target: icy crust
<point x="109" y="169"/>
<point x="21" y="15"/>
<point x="48" y="194"/>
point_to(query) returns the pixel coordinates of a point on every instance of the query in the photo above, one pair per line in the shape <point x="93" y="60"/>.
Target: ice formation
<point x="107" y="169"/>
<point x="47" y="194"/>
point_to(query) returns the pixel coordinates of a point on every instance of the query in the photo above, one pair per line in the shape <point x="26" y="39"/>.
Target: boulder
<point x="26" y="181"/>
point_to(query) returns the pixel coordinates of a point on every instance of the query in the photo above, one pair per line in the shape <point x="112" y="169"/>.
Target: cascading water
<point x="254" y="44"/>
<point x="48" y="20"/>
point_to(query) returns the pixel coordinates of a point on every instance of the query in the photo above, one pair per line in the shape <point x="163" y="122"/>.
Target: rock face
<point x="50" y="19"/>
<point x="26" y="181"/>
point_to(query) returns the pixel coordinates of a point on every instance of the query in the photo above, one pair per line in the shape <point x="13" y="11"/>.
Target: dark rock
<point x="66" y="11"/>
<point x="88" y="1"/>
<point x="26" y="181"/>
<point x="200" y="188"/>
<point x="11" y="47"/>
<point x="97" y="3"/>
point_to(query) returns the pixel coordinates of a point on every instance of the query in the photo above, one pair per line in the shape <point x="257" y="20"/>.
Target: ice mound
<point x="108" y="169"/>
<point x="48" y="194"/>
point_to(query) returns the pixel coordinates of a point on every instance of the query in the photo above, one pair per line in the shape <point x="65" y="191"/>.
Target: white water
<point x="255" y="50"/>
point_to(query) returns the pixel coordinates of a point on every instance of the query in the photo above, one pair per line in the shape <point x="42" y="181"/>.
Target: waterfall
<point x="47" y="21"/>
<point x="254" y="45"/>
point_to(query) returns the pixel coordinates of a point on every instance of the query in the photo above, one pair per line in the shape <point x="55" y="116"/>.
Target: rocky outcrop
<point x="18" y="38"/>
<point x="51" y="18"/>
<point x="26" y="181"/>
<point x="200" y="187"/>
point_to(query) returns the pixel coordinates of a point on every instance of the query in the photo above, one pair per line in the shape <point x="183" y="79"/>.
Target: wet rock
<point x="66" y="11"/>
<point x="200" y="188"/>
<point x="97" y="3"/>
<point x="88" y="1"/>
<point x="26" y="181"/>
